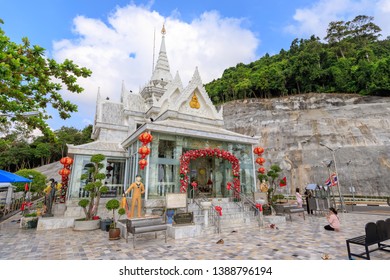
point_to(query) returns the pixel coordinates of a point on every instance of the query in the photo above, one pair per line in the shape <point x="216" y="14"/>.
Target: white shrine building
<point x="180" y="119"/>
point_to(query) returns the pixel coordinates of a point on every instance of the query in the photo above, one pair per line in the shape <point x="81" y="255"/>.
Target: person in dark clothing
<point x="308" y="195"/>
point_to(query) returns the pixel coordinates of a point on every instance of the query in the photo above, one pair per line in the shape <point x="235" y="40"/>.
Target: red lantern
<point x="261" y="170"/>
<point x="145" y="138"/>
<point x="260" y="160"/>
<point x="142" y="163"/>
<point x="66" y="161"/>
<point x="64" y="172"/>
<point x="144" y="151"/>
<point x="258" y="151"/>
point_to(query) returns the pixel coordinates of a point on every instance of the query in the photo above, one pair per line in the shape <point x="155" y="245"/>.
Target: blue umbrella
<point x="7" y="177"/>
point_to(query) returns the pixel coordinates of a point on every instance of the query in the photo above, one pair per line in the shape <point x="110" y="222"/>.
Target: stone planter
<point x="82" y="225"/>
<point x="28" y="222"/>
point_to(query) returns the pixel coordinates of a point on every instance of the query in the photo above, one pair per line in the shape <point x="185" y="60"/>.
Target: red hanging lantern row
<point x="258" y="150"/>
<point x="142" y="163"/>
<point x="260" y="160"/>
<point x="64" y="172"/>
<point x="145" y="138"/>
<point x="261" y="170"/>
<point x="144" y="151"/>
<point x="66" y="161"/>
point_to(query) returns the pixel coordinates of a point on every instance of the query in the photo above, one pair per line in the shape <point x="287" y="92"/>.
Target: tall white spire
<point x="162" y="71"/>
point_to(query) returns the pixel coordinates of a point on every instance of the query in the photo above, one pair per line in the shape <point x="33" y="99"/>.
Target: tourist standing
<point x="298" y="197"/>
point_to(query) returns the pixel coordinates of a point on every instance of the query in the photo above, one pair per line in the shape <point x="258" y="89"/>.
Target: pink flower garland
<point x="208" y="152"/>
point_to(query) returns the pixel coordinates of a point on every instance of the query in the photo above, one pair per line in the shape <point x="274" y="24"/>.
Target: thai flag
<point x="334" y="179"/>
<point x="328" y="182"/>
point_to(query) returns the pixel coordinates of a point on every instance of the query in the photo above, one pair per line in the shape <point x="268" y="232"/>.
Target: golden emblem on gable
<point x="194" y="103"/>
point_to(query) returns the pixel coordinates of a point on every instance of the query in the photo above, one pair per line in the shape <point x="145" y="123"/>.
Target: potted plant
<point x="29" y="220"/>
<point x="93" y="178"/>
<point x="114" y="232"/>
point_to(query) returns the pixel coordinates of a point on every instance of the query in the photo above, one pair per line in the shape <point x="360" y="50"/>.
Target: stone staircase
<point x="235" y="215"/>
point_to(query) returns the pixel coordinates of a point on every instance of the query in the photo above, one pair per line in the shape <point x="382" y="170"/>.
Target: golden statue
<point x="138" y="189"/>
<point x="264" y="186"/>
<point x="163" y="31"/>
<point x="194" y="103"/>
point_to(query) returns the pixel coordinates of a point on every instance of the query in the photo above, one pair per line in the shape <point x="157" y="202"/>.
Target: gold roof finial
<point x="163" y="31"/>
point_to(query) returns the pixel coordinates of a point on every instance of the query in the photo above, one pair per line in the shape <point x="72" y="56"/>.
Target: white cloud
<point x="315" y="19"/>
<point x="123" y="49"/>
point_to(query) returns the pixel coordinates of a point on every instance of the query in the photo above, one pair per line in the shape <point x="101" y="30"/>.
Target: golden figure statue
<point x="194" y="103"/>
<point x="264" y="186"/>
<point x="138" y="189"/>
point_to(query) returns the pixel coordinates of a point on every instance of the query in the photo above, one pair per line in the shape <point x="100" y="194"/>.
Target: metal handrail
<point x="252" y="205"/>
<point x="214" y="217"/>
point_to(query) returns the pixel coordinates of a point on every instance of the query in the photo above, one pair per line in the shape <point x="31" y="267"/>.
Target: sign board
<point x="351" y="189"/>
<point x="111" y="193"/>
<point x="183" y="218"/>
<point x="176" y="200"/>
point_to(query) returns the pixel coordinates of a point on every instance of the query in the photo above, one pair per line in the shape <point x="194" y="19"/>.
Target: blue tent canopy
<point x="311" y="187"/>
<point x="7" y="177"/>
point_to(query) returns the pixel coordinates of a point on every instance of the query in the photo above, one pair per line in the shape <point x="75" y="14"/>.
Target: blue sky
<point x="114" y="38"/>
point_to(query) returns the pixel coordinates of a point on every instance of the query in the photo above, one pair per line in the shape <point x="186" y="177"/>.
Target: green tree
<point x="31" y="82"/>
<point x="38" y="180"/>
<point x="273" y="174"/>
<point x="94" y="186"/>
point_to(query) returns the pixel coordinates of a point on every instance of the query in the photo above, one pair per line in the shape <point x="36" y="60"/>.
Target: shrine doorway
<point x="213" y="171"/>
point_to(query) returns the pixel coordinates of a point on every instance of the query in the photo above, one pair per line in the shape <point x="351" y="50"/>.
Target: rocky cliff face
<point x="292" y="128"/>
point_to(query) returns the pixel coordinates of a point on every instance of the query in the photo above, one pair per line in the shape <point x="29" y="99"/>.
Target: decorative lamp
<point x="64" y="172"/>
<point x="142" y="163"/>
<point x="144" y="151"/>
<point x="66" y="161"/>
<point x="258" y="150"/>
<point x="260" y="160"/>
<point x="261" y="170"/>
<point x="145" y="138"/>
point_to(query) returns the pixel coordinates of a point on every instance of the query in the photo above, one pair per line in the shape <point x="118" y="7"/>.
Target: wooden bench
<point x="376" y="234"/>
<point x="145" y="225"/>
<point x="288" y="209"/>
<point x="295" y="210"/>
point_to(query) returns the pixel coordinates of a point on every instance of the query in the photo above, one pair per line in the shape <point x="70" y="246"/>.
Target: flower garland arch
<point x="186" y="158"/>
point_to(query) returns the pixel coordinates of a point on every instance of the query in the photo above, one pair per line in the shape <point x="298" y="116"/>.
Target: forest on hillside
<point x="19" y="150"/>
<point x="350" y="59"/>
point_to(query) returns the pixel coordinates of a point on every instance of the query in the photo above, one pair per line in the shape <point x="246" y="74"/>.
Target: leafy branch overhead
<point x="29" y="81"/>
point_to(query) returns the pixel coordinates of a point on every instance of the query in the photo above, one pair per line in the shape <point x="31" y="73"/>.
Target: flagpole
<point x="331" y="189"/>
<point x="337" y="175"/>
<point x="338" y="184"/>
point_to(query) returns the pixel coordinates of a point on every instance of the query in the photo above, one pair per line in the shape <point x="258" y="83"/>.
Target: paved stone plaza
<point x="296" y="240"/>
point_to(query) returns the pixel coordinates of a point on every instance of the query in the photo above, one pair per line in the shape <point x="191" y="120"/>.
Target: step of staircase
<point x="234" y="216"/>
